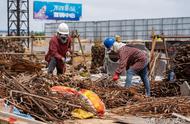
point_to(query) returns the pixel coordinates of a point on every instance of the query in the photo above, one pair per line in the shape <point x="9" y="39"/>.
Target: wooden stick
<point x="181" y="116"/>
<point x="165" y="58"/>
<point x="72" y="56"/>
<point x="153" y="65"/>
<point x="152" y="50"/>
<point x="85" y="62"/>
<point x="166" y="52"/>
<point x="78" y="38"/>
<point x="40" y="97"/>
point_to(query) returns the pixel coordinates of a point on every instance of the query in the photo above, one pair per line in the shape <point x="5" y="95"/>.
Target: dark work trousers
<point x="55" y="64"/>
<point x="144" y="77"/>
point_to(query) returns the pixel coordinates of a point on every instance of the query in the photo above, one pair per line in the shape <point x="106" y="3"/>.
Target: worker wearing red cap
<point x="59" y="48"/>
<point x="133" y="60"/>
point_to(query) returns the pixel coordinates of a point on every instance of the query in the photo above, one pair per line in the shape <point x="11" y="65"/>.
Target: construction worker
<point x="59" y="49"/>
<point x="133" y="60"/>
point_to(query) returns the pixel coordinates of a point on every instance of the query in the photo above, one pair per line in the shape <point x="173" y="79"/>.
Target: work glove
<point x="68" y="54"/>
<point x="66" y="60"/>
<point x="63" y="59"/>
<point x="115" y="77"/>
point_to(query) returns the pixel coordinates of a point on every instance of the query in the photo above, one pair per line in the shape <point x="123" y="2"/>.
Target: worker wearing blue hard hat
<point x="109" y="42"/>
<point x="134" y="60"/>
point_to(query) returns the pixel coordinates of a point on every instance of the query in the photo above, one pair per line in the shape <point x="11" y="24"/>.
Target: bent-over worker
<point x="133" y="60"/>
<point x="59" y="48"/>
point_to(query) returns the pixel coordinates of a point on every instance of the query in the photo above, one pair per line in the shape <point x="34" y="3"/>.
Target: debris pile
<point x="32" y="94"/>
<point x="20" y="65"/>
<point x="12" y="57"/>
<point x="157" y="107"/>
<point x="161" y="89"/>
<point x="182" y="62"/>
<point x="167" y="97"/>
<point x="11" y="45"/>
<point x="98" y="53"/>
<point x="112" y="94"/>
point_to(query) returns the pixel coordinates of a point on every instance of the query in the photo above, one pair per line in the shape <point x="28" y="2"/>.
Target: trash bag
<point x="81" y="114"/>
<point x="6" y="107"/>
<point x="91" y="99"/>
<point x="94" y="101"/>
<point x="63" y="90"/>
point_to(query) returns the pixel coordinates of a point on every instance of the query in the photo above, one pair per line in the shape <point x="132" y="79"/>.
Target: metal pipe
<point x="18" y="17"/>
<point x="174" y="36"/>
<point x="8" y="12"/>
<point x="32" y="45"/>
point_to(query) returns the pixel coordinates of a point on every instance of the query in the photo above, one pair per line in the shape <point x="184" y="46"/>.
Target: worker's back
<point x="112" y="59"/>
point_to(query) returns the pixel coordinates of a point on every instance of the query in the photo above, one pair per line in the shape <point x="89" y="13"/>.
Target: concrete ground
<point x="110" y="119"/>
<point x="127" y="119"/>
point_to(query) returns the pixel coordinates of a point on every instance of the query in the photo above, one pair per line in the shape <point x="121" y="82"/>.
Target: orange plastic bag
<point x="94" y="100"/>
<point x="63" y="89"/>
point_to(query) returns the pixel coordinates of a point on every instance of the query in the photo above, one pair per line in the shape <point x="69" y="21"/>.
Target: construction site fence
<point x="127" y="29"/>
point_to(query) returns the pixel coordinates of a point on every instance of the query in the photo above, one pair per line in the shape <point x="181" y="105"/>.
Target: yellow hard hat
<point x="117" y="38"/>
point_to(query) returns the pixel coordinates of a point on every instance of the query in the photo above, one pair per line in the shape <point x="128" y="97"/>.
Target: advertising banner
<point x="57" y="10"/>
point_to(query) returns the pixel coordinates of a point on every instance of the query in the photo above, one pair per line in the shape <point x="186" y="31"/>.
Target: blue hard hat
<point x="109" y="42"/>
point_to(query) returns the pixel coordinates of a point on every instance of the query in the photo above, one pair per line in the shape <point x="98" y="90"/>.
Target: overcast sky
<point x="94" y="10"/>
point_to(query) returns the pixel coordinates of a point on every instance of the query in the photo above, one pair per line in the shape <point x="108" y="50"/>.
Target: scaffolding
<point x="18" y="17"/>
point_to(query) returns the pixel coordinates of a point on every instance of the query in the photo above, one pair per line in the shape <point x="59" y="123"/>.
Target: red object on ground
<point x="115" y="77"/>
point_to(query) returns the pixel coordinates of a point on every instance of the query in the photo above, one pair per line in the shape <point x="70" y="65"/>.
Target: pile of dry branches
<point x="112" y="94"/>
<point x="157" y="107"/>
<point x="11" y="45"/>
<point x="161" y="89"/>
<point x="32" y="94"/>
<point x="115" y="96"/>
<point x="12" y="57"/>
<point x="98" y="53"/>
<point x="182" y="62"/>
<point x="20" y="65"/>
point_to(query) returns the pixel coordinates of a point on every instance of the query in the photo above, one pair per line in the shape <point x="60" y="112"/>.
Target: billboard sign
<point x="57" y="10"/>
